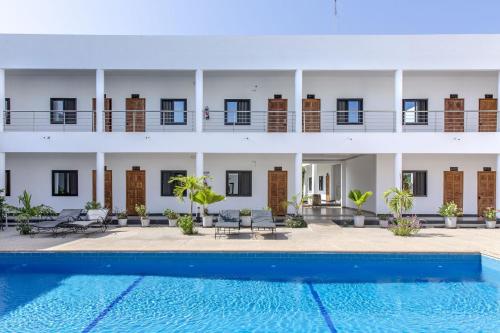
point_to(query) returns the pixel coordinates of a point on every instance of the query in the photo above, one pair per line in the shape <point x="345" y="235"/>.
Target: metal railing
<point x="249" y="121"/>
<point x="149" y="121"/>
<point x="348" y="121"/>
<point x="48" y="121"/>
<point x="451" y="121"/>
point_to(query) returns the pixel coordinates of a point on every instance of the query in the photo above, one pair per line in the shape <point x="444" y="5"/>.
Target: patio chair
<point x="227" y="222"/>
<point x="96" y="218"/>
<point x="263" y="220"/>
<point x="60" y="222"/>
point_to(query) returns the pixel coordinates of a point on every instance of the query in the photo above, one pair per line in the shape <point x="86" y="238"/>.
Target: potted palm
<point x="490" y="217"/>
<point x="359" y="200"/>
<point x="297" y="219"/>
<point x="122" y="218"/>
<point x="171" y="216"/>
<point x="246" y="219"/>
<point x="450" y="211"/>
<point x="205" y="197"/>
<point x="141" y="210"/>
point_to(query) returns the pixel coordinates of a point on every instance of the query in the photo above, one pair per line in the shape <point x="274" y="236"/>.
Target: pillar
<point x="498" y="104"/>
<point x="199" y="164"/>
<point x="298" y="101"/>
<point x="2" y="173"/>
<point x="398" y="98"/>
<point x="497" y="203"/>
<point x="314" y="177"/>
<point x="99" y="178"/>
<point x="99" y="100"/>
<point x="398" y="169"/>
<point x="298" y="175"/>
<point x="2" y="99"/>
<point x="199" y="100"/>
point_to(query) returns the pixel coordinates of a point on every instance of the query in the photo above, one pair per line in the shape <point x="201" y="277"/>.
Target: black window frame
<point x="167" y="116"/>
<point x="421" y="116"/>
<point x="70" y="173"/>
<point x="243" y="117"/>
<point x="7" y="111"/>
<point x="7" y="183"/>
<point x="415" y="191"/>
<point x="310" y="184"/>
<point x="166" y="188"/>
<point x="70" y="117"/>
<point x="247" y="193"/>
<point x="320" y="183"/>
<point x="343" y="114"/>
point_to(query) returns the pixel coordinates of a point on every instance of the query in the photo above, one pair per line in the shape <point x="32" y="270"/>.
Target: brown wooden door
<point x="327" y="188"/>
<point x="277" y="115"/>
<point x="108" y="188"/>
<point x="136" y="115"/>
<point x="488" y="120"/>
<point x="454" y="115"/>
<point x="311" y="115"/>
<point x="453" y="187"/>
<point x="108" y="116"/>
<point x="136" y="189"/>
<point x="486" y="190"/>
<point x="277" y="192"/>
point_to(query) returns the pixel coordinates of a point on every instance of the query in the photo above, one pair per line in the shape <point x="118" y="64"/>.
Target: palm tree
<point x="187" y="184"/>
<point x="398" y="201"/>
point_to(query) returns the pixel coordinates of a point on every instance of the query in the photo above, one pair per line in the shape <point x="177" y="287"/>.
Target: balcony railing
<point x="450" y="121"/>
<point x="149" y="121"/>
<point x="249" y="121"/>
<point x="48" y="121"/>
<point x="348" y="121"/>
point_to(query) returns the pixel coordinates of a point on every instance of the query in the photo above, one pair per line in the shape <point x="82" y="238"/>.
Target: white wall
<point x="361" y="174"/>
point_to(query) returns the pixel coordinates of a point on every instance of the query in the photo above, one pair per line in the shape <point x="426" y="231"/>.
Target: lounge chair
<point x="227" y="222"/>
<point x="60" y="222"/>
<point x="263" y="220"/>
<point x="96" y="218"/>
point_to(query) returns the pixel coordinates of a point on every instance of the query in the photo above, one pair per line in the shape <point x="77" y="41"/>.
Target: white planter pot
<point x="491" y="224"/>
<point x="172" y="222"/>
<point x="384" y="223"/>
<point x="208" y="221"/>
<point x="450" y="222"/>
<point x="145" y="222"/>
<point x="359" y="221"/>
<point x="246" y="221"/>
<point x="122" y="222"/>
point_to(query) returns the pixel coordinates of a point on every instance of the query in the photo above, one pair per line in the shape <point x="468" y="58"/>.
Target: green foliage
<point x="23" y="225"/>
<point x="398" y="201"/>
<point x="122" y="215"/>
<point x="405" y="226"/>
<point x="93" y="205"/>
<point x="141" y="210"/>
<point x="450" y="209"/>
<point x="296" y="222"/>
<point x="384" y="217"/>
<point x="187" y="184"/>
<point x="3" y="206"/>
<point x="28" y="210"/>
<point x="297" y="202"/>
<point x="206" y="196"/>
<point x="170" y="214"/>
<point x="490" y="214"/>
<point x="245" y="212"/>
<point x="359" y="198"/>
<point x="186" y="224"/>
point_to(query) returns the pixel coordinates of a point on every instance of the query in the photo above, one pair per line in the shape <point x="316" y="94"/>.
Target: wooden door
<point x="136" y="115"/>
<point x="277" y="191"/>
<point x="486" y="190"/>
<point x="454" y="115"/>
<point x="108" y="188"/>
<point x="277" y="115"/>
<point x="488" y="115"/>
<point x="311" y="115"/>
<point x="327" y="188"/>
<point x="453" y="187"/>
<point x="108" y="116"/>
<point x="136" y="189"/>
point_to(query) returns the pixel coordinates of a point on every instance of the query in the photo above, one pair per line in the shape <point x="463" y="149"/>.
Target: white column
<point x="298" y="101"/>
<point x="398" y="100"/>
<point x="343" y="184"/>
<point x="498" y="104"/>
<point x="497" y="203"/>
<point x="99" y="100"/>
<point x="398" y="169"/>
<point x="298" y="175"/>
<point x="199" y="100"/>
<point x="99" y="178"/>
<point x="199" y="164"/>
<point x="314" y="177"/>
<point x="2" y="174"/>
<point x="2" y="98"/>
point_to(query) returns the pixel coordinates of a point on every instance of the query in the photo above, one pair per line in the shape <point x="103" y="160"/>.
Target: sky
<point x="249" y="17"/>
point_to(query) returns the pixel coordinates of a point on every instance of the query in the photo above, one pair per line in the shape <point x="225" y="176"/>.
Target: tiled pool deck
<point x="320" y="236"/>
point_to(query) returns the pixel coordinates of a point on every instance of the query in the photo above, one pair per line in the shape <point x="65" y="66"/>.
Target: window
<point x="63" y="111"/>
<point x="415" y="112"/>
<point x="167" y="189"/>
<point x="239" y="183"/>
<point x="237" y="112"/>
<point x="65" y="183"/>
<point x="415" y="182"/>
<point x="352" y="114"/>
<point x="173" y="112"/>
<point x="310" y="184"/>
<point x="320" y="184"/>
<point x="7" y="183"/>
<point x="7" y="113"/>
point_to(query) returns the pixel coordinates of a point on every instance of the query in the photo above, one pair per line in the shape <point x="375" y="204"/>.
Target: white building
<point x="376" y="109"/>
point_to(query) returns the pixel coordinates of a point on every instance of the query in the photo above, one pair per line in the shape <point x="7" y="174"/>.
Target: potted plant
<point x="141" y="210"/>
<point x="171" y="216"/>
<point x="246" y="218"/>
<point x="186" y="225"/>
<point x="26" y="212"/>
<point x="297" y="219"/>
<point x="398" y="201"/>
<point x="359" y="200"/>
<point x="93" y="205"/>
<point x="383" y="220"/>
<point x="189" y="185"/>
<point x="205" y="197"/>
<point x="450" y="211"/>
<point x="490" y="217"/>
<point x="122" y="218"/>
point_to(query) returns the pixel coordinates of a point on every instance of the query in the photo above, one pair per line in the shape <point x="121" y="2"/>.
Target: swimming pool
<point x="248" y="292"/>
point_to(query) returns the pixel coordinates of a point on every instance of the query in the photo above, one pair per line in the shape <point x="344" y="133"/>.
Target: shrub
<point x="93" y="205"/>
<point x="187" y="225"/>
<point x="359" y="199"/>
<point x="23" y="225"/>
<point x="245" y="212"/>
<point x="405" y="226"/>
<point x="296" y="222"/>
<point x="141" y="210"/>
<point x="170" y="214"/>
<point x="490" y="214"/>
<point x="450" y="209"/>
<point x="398" y="201"/>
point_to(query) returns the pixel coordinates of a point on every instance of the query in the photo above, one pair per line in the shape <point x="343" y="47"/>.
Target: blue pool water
<point x="250" y="292"/>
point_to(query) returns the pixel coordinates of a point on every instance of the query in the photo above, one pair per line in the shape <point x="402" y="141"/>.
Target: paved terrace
<point x="321" y="235"/>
